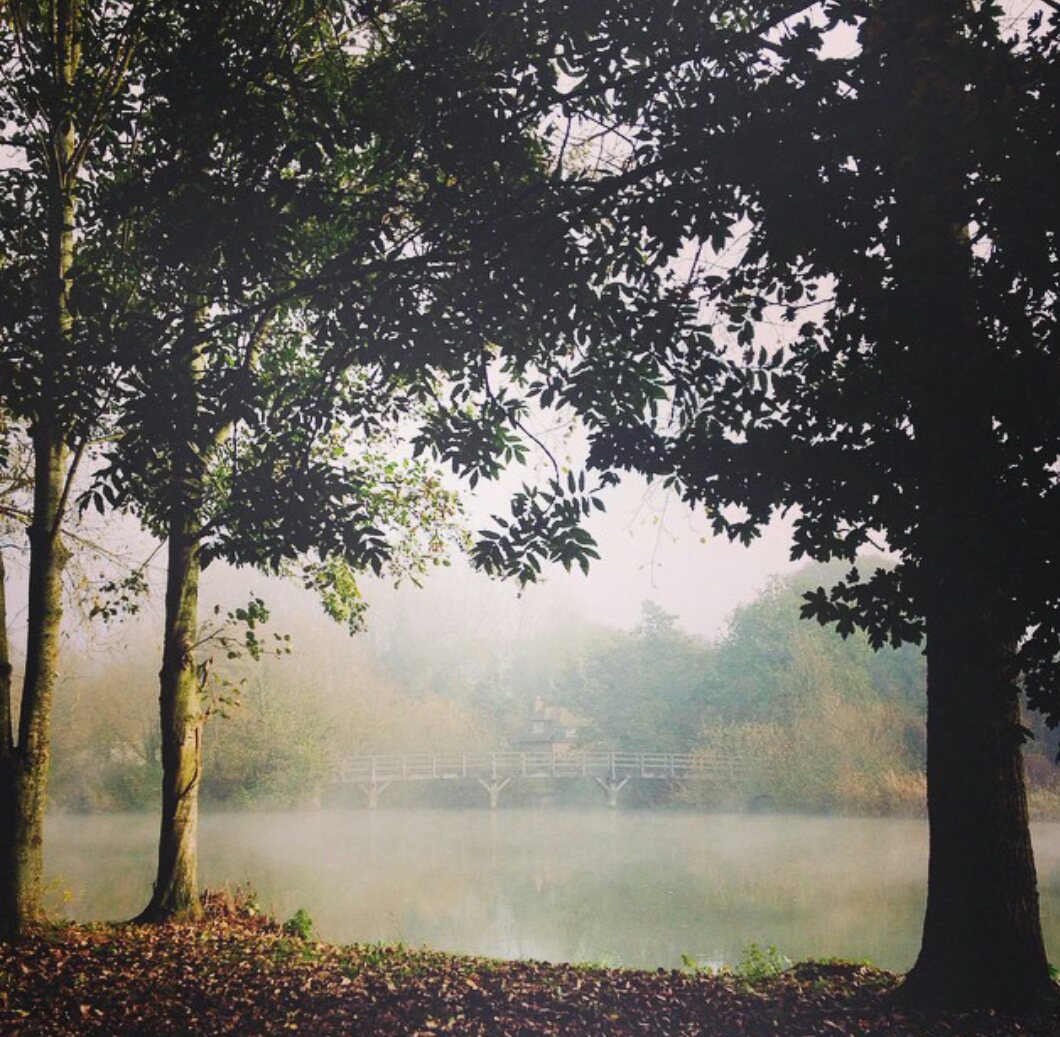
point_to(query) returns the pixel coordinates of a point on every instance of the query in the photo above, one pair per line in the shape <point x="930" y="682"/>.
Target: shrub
<point x="299" y="924"/>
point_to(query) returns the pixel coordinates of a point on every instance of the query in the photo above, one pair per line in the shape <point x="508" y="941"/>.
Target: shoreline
<point x="240" y="973"/>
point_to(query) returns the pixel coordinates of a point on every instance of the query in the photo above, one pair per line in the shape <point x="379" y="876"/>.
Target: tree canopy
<point x="854" y="199"/>
<point x="784" y="256"/>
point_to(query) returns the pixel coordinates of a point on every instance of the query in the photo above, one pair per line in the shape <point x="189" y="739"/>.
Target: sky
<point x="653" y="547"/>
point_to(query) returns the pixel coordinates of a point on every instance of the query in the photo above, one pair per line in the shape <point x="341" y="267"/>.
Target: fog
<point x="459" y="664"/>
<point x="652" y="547"/>
<point x="637" y="888"/>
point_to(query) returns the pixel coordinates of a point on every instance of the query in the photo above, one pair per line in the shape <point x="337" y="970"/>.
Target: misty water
<point x="638" y="888"/>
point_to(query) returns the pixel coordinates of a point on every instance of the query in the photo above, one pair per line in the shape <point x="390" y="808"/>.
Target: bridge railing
<point x="490" y="766"/>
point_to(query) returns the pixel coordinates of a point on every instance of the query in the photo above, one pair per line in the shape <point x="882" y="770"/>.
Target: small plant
<point x="58" y="896"/>
<point x="299" y="924"/>
<point x="759" y="963"/>
<point x="605" y="961"/>
<point x="294" y="949"/>
<point x="697" y="967"/>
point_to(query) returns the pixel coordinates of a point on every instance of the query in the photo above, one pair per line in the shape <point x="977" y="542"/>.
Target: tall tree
<point x="286" y="287"/>
<point x="230" y="441"/>
<point x="63" y="68"/>
<point x="411" y="278"/>
<point x="875" y="180"/>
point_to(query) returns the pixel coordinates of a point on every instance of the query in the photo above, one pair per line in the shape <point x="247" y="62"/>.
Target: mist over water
<point x="636" y="888"/>
<point x="460" y="665"/>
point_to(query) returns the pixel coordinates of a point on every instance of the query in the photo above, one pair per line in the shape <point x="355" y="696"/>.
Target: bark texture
<point x="24" y="763"/>
<point x="7" y="735"/>
<point x="176" y="894"/>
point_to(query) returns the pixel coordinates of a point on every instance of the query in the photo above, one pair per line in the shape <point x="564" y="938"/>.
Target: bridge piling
<point x="495" y="788"/>
<point x="612" y="787"/>
<point x="373" y="790"/>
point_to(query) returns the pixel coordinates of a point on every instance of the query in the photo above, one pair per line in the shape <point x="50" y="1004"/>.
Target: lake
<point x="638" y="888"/>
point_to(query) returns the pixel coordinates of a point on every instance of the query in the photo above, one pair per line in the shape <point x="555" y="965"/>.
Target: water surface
<point x="631" y="887"/>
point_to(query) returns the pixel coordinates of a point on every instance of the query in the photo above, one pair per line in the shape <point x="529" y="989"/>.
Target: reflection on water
<point x="635" y="888"/>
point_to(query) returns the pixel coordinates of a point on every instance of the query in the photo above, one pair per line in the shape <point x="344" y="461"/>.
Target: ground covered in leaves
<point x="240" y="973"/>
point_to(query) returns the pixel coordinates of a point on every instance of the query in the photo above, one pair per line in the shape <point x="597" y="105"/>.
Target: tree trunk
<point x="10" y="911"/>
<point x="982" y="942"/>
<point x="7" y="734"/>
<point x="24" y="765"/>
<point x="176" y="893"/>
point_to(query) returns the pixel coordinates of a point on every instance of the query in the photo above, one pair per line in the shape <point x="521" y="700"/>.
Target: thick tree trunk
<point x="982" y="941"/>
<point x="176" y="893"/>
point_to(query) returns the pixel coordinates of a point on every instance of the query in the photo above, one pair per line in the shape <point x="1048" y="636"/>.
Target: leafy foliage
<point x="818" y="357"/>
<point x="299" y="924"/>
<point x="831" y="724"/>
<point x="640" y="689"/>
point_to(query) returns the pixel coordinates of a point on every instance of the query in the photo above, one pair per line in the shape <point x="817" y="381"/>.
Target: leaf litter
<point x="238" y="973"/>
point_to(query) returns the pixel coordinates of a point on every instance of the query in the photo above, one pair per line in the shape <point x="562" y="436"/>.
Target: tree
<point x="875" y="179"/>
<point x="412" y="278"/>
<point x="828" y="723"/>
<point x="754" y="659"/>
<point x="284" y="289"/>
<point x="641" y="690"/>
<point x="62" y="70"/>
<point x="234" y="437"/>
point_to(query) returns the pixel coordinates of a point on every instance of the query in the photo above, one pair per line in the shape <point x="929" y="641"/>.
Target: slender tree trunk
<point x="10" y="914"/>
<point x="24" y="764"/>
<point x="7" y="733"/>
<point x="176" y="893"/>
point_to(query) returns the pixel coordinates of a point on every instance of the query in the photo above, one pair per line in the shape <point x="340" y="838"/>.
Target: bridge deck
<point x="491" y="766"/>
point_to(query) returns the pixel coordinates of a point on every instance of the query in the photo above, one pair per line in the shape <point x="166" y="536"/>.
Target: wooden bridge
<point x="495" y="771"/>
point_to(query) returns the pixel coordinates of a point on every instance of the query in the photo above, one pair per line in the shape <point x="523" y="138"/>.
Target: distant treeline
<point x="829" y="723"/>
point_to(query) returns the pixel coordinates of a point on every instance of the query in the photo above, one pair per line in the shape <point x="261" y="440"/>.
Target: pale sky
<point x="654" y="547"/>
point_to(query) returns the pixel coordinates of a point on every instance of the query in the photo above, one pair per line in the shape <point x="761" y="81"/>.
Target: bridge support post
<point x="373" y="790"/>
<point x="612" y="787"/>
<point x="495" y="788"/>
